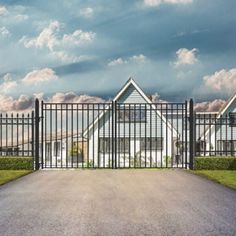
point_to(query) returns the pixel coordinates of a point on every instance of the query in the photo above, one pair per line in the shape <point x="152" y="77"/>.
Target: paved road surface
<point x="116" y="202"/>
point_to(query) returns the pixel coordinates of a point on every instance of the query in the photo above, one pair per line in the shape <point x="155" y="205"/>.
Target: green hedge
<point x="215" y="163"/>
<point x="16" y="163"/>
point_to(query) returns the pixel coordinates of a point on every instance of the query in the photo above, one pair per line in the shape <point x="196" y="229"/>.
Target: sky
<point x="82" y="51"/>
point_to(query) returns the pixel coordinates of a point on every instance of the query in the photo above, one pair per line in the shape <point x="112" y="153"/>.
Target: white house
<point x="143" y="137"/>
<point x="218" y="134"/>
<point x="129" y="131"/>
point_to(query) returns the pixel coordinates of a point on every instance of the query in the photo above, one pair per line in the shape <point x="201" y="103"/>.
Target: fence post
<point x="115" y="135"/>
<point x="191" y="134"/>
<point x="36" y="134"/>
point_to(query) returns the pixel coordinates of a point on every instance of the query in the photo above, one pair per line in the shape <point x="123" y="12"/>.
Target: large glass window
<point x="132" y="114"/>
<point x="152" y="144"/>
<point x="228" y="146"/>
<point x="48" y="151"/>
<point x="57" y="149"/>
<point x="105" y="145"/>
<point x="232" y="119"/>
<point x="123" y="145"/>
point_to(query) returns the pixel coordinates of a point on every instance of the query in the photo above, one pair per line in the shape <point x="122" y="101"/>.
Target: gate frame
<point x="191" y="134"/>
<point x="37" y="121"/>
<point x="190" y="119"/>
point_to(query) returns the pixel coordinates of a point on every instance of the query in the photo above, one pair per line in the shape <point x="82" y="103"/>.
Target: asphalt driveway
<point x="116" y="202"/>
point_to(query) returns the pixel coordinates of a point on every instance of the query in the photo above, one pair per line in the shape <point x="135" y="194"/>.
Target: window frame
<point x="55" y="146"/>
<point x="48" y="150"/>
<point x="147" y="144"/>
<point x="232" y="119"/>
<point x="120" y="149"/>
<point x="131" y="117"/>
<point x="222" y="147"/>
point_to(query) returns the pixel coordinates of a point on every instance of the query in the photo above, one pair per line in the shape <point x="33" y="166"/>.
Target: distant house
<point x="129" y="131"/>
<point x="144" y="135"/>
<point x="218" y="133"/>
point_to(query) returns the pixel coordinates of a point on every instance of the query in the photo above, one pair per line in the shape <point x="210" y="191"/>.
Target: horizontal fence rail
<point x="17" y="134"/>
<point x="114" y="135"/>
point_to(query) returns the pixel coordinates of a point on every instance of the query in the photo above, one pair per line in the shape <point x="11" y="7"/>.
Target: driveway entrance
<point x="116" y="202"/>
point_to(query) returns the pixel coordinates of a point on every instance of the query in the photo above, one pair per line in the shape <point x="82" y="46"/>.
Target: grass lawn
<point x="9" y="175"/>
<point x="225" y="177"/>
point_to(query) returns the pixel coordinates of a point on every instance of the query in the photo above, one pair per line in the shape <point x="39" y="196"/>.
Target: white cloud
<point x="221" y="81"/>
<point x="138" y="58"/>
<point x="23" y="103"/>
<point x="78" y="37"/>
<point x="214" y="105"/>
<point x="21" y="17"/>
<point x="3" y="10"/>
<point x="36" y="77"/>
<point x="135" y="58"/>
<point x="8" y="84"/>
<point x="66" y="58"/>
<point x="118" y="61"/>
<point x="156" y="98"/>
<point x="74" y="98"/>
<point x="4" y="32"/>
<point x="26" y="103"/>
<point x="186" y="56"/>
<point x="47" y="38"/>
<point x="50" y="38"/>
<point x="87" y="12"/>
<point x="155" y="3"/>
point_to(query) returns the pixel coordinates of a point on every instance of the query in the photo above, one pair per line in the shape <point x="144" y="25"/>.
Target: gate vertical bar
<point x="112" y="135"/>
<point x="42" y="161"/>
<point x="186" y="134"/>
<point x="32" y="135"/>
<point x="191" y="134"/>
<point x="36" y="134"/>
<point x="115" y="139"/>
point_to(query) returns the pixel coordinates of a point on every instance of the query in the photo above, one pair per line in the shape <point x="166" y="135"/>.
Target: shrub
<point x="215" y="163"/>
<point x="16" y="163"/>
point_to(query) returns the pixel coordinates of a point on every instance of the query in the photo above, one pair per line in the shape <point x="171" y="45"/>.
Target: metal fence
<point x="215" y="135"/>
<point x="17" y="134"/>
<point x="114" y="135"/>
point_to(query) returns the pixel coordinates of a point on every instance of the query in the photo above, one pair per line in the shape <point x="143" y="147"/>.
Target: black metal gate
<point x="114" y="135"/>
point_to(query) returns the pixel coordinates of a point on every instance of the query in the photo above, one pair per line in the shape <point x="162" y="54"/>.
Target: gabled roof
<point x="119" y="94"/>
<point x="227" y="105"/>
<point x="129" y="82"/>
<point x="220" y="113"/>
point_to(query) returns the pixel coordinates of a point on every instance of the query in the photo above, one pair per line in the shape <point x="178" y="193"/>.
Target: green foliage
<point x="9" y="175"/>
<point x="136" y="162"/>
<point x="89" y="164"/>
<point x="226" y="177"/>
<point x="75" y="150"/>
<point x="215" y="163"/>
<point x="167" y="161"/>
<point x="16" y="163"/>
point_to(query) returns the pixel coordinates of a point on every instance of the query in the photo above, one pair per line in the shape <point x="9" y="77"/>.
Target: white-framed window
<point x="132" y="114"/>
<point x="232" y="119"/>
<point x="57" y="149"/>
<point x="105" y="145"/>
<point x="152" y="144"/>
<point x="122" y="145"/>
<point x="226" y="145"/>
<point x="48" y="150"/>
